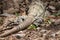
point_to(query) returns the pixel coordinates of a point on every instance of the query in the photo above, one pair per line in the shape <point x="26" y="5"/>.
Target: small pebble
<point x="19" y="35"/>
<point x="53" y="35"/>
<point x="43" y="31"/>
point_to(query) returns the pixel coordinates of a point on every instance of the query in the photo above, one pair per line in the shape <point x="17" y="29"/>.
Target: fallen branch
<point x="11" y="10"/>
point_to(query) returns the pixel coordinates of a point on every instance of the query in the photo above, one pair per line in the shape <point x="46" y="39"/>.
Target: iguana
<point x="36" y="9"/>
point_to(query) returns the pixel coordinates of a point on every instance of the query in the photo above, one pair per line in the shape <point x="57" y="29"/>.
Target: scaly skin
<point x="35" y="9"/>
<point x="20" y="27"/>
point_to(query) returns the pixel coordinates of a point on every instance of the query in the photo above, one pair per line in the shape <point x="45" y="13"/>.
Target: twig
<point x="11" y="10"/>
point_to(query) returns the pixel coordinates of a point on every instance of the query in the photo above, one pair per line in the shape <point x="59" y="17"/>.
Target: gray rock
<point x="19" y="35"/>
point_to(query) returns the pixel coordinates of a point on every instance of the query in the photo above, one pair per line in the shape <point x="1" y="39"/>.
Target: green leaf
<point x="17" y="14"/>
<point x="32" y="27"/>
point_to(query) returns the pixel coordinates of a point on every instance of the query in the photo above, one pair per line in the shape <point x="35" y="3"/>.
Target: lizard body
<point x="36" y="8"/>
